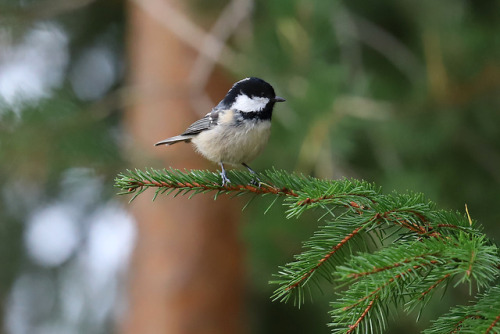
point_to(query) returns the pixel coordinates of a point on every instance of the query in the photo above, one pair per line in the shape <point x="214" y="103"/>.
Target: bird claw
<point x="256" y="182"/>
<point x="225" y="179"/>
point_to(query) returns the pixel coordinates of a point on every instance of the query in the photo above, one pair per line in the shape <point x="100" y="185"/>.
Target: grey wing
<point x="205" y="123"/>
<point x="198" y="126"/>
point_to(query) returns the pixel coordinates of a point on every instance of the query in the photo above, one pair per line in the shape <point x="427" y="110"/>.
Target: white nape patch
<point x="248" y="104"/>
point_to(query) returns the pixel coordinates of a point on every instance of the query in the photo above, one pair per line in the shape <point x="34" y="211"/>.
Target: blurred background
<point x="405" y="94"/>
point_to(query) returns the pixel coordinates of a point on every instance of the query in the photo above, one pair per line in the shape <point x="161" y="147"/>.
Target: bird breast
<point x="233" y="144"/>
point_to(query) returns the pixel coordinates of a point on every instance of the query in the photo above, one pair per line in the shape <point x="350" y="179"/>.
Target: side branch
<point x="363" y="315"/>
<point x="493" y="324"/>
<point x="310" y="200"/>
<point x="325" y="258"/>
<point x="375" y="293"/>
<point x="395" y="265"/>
<point x="458" y="325"/>
<point x="433" y="286"/>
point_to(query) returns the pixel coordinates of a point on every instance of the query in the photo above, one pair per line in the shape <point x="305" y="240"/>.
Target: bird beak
<point x="279" y="99"/>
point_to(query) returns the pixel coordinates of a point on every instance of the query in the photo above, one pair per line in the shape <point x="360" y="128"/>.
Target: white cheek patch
<point x="248" y="104"/>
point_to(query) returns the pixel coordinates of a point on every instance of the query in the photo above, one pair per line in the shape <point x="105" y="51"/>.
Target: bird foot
<point x="225" y="179"/>
<point x="256" y="182"/>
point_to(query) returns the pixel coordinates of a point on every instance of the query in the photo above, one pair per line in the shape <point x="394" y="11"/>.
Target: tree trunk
<point x="186" y="274"/>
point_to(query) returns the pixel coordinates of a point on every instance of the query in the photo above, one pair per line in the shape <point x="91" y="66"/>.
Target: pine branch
<point x="196" y="181"/>
<point x="481" y="317"/>
<point x="408" y="275"/>
<point x="388" y="250"/>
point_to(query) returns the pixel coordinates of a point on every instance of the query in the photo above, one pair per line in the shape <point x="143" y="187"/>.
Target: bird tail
<point x="173" y="140"/>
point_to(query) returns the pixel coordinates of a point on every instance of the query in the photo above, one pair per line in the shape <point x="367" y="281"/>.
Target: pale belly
<point x="233" y="146"/>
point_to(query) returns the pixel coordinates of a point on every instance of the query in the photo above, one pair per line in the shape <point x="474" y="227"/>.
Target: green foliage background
<point x="401" y="93"/>
<point x="408" y="100"/>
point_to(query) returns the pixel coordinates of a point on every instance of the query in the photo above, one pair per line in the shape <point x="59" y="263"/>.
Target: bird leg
<point x="225" y="179"/>
<point x="255" y="181"/>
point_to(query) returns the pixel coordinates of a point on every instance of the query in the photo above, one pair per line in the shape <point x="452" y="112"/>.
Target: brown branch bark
<point x="260" y="189"/>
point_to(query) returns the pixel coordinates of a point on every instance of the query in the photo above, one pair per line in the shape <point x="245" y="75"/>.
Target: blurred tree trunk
<point x="186" y="274"/>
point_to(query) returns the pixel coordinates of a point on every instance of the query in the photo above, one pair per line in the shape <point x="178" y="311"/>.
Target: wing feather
<point x="198" y="126"/>
<point x="205" y="123"/>
<point x="173" y="140"/>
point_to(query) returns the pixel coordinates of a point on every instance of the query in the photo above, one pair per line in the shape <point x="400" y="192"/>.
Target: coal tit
<point x="237" y="129"/>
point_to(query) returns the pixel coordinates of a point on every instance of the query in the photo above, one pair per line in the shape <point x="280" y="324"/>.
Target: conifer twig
<point x="394" y="249"/>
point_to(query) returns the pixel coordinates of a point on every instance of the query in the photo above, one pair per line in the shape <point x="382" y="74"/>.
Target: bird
<point x="237" y="129"/>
